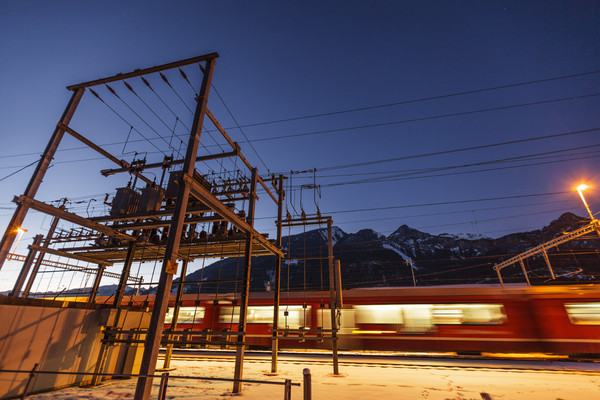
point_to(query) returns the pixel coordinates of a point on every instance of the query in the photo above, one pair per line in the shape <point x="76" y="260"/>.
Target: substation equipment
<point x="162" y="222"/>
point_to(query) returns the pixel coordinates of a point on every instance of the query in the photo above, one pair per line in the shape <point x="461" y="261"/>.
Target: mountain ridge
<point x="370" y="259"/>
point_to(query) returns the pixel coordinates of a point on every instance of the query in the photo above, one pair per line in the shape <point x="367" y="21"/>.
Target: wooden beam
<point x="67" y="216"/>
<point x="65" y="254"/>
<point x="145" y="71"/>
<point x="215" y="204"/>
<point x="100" y="150"/>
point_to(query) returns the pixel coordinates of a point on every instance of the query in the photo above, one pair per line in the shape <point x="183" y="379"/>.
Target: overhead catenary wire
<point x="521" y="196"/>
<point x="208" y="132"/>
<point x="423" y="99"/>
<point x="110" y="89"/>
<point x="19" y="170"/>
<point x="410" y="175"/>
<point x="418" y="119"/>
<point x="457" y="150"/>
<point x="239" y="127"/>
<point x="177" y="118"/>
<point x="527" y="157"/>
<point x="125" y="120"/>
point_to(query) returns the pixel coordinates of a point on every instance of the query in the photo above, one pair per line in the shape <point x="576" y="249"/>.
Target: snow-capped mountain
<point x="369" y="258"/>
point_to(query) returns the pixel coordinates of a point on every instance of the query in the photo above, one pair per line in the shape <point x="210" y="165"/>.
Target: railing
<point x="164" y="379"/>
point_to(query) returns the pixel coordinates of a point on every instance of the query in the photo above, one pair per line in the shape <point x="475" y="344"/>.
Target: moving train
<point x="463" y="319"/>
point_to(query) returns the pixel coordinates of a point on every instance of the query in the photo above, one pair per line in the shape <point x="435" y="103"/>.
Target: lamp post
<point x="20" y="232"/>
<point x="579" y="189"/>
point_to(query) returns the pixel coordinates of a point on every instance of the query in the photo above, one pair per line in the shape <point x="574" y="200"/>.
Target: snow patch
<point x="463" y="236"/>
<point x="392" y="246"/>
<point x="336" y="234"/>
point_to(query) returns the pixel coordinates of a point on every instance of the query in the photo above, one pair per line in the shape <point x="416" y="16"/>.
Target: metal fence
<point x="164" y="379"/>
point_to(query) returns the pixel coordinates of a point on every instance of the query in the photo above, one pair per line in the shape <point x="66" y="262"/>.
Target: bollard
<point x="307" y="385"/>
<point x="31" y="375"/>
<point x="162" y="389"/>
<point x="287" y="390"/>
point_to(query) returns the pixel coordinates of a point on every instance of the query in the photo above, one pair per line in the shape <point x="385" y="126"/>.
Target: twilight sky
<point x="363" y="65"/>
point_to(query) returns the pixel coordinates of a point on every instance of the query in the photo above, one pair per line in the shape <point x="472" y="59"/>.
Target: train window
<point x="187" y="315"/>
<point x="297" y="316"/>
<point x="417" y="317"/>
<point x="379" y="314"/>
<point x="422" y="317"/>
<point x="584" y="313"/>
<point x="468" y="314"/>
<point x="229" y="315"/>
<point x="346" y="319"/>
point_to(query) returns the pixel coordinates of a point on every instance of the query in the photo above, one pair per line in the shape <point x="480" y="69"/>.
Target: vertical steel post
<point x="499" y="276"/>
<point x="287" y="390"/>
<point x="26" y="265"/>
<point x="524" y="272"/>
<point x="162" y="388"/>
<point x="275" y="344"/>
<point x="38" y="262"/>
<point x="36" y="179"/>
<point x="307" y="384"/>
<point x="157" y="320"/>
<point x="28" y="384"/>
<point x="332" y="298"/>
<point x="338" y="285"/>
<point x="124" y="275"/>
<point x="169" y="350"/>
<point x="548" y="263"/>
<point x="241" y="347"/>
<point x="96" y="286"/>
<point x="103" y="355"/>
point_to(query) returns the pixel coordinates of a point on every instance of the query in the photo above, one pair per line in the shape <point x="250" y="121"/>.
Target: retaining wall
<point x="59" y="336"/>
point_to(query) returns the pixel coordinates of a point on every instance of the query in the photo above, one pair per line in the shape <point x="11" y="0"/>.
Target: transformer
<point x="125" y="202"/>
<point x="150" y="200"/>
<point x="176" y="176"/>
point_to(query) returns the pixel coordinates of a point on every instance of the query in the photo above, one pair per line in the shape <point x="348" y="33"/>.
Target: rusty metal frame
<point x="241" y="349"/>
<point x="335" y="296"/>
<point x="145" y="71"/>
<point x="37" y="177"/>
<point x="152" y="343"/>
<point x="116" y="227"/>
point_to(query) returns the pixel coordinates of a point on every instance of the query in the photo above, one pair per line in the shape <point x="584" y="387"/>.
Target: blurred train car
<point x="462" y="319"/>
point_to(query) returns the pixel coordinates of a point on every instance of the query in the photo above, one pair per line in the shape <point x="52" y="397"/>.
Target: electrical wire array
<point x="168" y="132"/>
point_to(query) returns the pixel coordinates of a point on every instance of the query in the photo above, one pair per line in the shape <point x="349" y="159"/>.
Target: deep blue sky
<point x="281" y="60"/>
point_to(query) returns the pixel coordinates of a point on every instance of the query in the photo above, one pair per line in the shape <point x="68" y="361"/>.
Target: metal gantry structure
<point x="162" y="222"/>
<point x="593" y="226"/>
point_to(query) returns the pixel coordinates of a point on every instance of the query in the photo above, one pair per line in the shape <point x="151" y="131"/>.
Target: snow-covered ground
<point x="405" y="379"/>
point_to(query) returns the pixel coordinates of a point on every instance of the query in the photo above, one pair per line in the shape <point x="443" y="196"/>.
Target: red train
<point x="462" y="319"/>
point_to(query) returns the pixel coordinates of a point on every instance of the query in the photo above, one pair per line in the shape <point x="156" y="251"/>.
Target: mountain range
<point x="370" y="259"/>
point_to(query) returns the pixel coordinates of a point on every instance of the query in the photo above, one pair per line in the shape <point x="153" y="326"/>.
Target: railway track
<point x="401" y="361"/>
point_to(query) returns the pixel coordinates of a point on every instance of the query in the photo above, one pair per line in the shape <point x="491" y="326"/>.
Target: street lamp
<point x="20" y="232"/>
<point x="579" y="189"/>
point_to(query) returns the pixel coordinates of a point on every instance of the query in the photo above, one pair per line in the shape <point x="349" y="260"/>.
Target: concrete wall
<point x="60" y="336"/>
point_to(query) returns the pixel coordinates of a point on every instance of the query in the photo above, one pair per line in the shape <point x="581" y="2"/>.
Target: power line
<point x="208" y="132"/>
<point x="465" y="172"/>
<point x="436" y="214"/>
<point x="527" y="157"/>
<point x="124" y="120"/>
<point x="19" y="170"/>
<point x="449" y="202"/>
<point x="110" y="89"/>
<point x="406" y="176"/>
<point x="427" y="118"/>
<point x="423" y="99"/>
<point x="458" y="150"/>
<point x="241" y="130"/>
